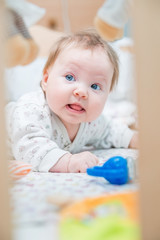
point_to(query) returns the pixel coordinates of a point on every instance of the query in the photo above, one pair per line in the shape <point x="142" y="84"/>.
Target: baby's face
<point x="78" y="84"/>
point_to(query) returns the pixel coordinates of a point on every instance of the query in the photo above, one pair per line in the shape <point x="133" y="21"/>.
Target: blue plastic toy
<point x="114" y="170"/>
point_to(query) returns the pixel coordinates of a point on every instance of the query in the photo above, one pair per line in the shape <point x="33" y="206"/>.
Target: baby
<point x="49" y="128"/>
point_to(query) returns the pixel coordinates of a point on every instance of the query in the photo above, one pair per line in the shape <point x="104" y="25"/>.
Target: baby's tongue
<point x="75" y="107"/>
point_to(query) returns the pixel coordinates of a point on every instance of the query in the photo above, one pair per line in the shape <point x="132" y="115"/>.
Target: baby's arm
<point x="31" y="136"/>
<point x="108" y="133"/>
<point x="81" y="161"/>
<point x="30" y="131"/>
<point x="75" y="163"/>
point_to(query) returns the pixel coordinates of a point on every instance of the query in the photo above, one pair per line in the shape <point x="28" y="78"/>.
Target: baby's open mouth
<point x="76" y="107"/>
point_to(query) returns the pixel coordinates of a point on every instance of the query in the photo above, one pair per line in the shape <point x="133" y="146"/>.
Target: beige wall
<point x="81" y="13"/>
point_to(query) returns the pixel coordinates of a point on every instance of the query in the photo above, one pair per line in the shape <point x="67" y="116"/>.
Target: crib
<point x="147" y="68"/>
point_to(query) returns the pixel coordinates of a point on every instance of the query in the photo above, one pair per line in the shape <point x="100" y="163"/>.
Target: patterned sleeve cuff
<point x="51" y="159"/>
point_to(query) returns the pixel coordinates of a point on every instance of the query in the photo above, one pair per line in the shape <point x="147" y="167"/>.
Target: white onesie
<point x="38" y="136"/>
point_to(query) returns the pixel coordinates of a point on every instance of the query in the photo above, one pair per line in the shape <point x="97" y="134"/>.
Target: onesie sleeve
<point x="30" y="133"/>
<point x="111" y="133"/>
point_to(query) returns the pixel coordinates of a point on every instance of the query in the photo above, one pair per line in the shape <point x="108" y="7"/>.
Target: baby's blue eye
<point x="70" y="77"/>
<point x="95" y="86"/>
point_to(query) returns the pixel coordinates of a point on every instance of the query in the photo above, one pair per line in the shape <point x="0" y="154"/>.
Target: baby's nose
<point x="81" y="93"/>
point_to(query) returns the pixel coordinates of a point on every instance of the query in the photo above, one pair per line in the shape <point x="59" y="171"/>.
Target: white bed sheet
<point x="29" y="195"/>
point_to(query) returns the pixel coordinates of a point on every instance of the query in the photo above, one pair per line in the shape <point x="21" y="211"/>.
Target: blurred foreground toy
<point x="111" y="217"/>
<point x="115" y="170"/>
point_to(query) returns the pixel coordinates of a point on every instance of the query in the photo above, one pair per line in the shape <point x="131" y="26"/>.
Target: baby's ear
<point x="44" y="80"/>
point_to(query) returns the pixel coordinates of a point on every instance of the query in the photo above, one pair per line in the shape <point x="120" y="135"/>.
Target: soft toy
<point x="18" y="169"/>
<point x="111" y="18"/>
<point x="21" y="49"/>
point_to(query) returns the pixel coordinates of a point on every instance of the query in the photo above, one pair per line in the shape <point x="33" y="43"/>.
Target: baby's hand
<point x="81" y="161"/>
<point x="75" y="163"/>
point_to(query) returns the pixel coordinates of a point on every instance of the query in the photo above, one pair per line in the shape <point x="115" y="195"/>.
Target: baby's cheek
<point x="97" y="109"/>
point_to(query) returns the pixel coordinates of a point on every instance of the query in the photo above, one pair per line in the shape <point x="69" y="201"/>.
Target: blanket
<point x="32" y="195"/>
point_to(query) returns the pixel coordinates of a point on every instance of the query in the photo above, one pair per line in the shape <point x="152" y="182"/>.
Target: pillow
<point x="22" y="79"/>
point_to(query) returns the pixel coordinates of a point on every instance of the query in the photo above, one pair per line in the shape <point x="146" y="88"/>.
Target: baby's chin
<point x="77" y="120"/>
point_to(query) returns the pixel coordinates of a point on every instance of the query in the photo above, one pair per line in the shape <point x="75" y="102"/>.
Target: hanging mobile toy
<point x="114" y="170"/>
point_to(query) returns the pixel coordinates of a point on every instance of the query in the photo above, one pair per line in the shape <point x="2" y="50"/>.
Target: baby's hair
<point x="88" y="39"/>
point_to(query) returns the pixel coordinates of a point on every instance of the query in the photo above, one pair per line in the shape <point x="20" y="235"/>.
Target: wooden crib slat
<point x="147" y="47"/>
<point x="5" y="221"/>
